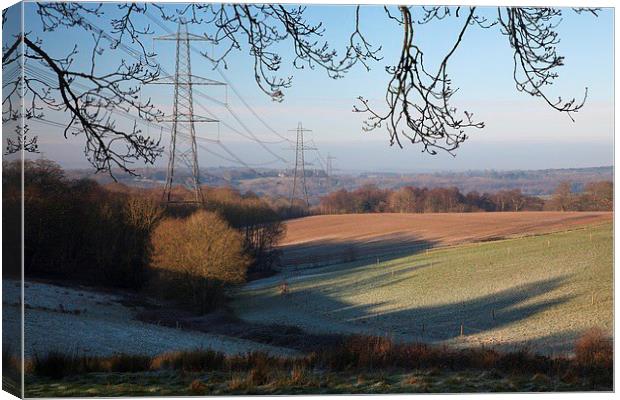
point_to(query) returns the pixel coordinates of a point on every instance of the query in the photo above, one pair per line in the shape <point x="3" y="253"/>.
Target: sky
<point x="521" y="132"/>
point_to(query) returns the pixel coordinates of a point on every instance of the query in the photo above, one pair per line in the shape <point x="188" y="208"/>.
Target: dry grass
<point x="361" y="364"/>
<point x="195" y="360"/>
<point x="356" y="356"/>
<point x="377" y="353"/>
<point x="11" y="372"/>
<point x="298" y="375"/>
<point x="197" y="387"/>
<point x="594" y="348"/>
<point x="594" y="355"/>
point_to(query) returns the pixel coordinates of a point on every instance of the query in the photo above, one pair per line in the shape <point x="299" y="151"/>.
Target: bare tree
<point x="87" y="96"/>
<point x="418" y="100"/>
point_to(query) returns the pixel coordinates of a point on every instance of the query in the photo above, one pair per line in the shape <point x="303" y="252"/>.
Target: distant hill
<point x="276" y="182"/>
<point x="532" y="182"/>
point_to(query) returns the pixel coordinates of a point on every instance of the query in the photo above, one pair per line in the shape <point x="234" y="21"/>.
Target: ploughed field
<point x="541" y="290"/>
<point x="330" y="239"/>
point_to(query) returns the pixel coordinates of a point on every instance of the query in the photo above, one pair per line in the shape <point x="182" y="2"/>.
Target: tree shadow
<point x="318" y="253"/>
<point x="440" y="322"/>
<point x="554" y="344"/>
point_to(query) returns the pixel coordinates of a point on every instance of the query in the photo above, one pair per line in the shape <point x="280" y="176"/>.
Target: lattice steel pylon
<point x="183" y="148"/>
<point x="329" y="170"/>
<point x="300" y="165"/>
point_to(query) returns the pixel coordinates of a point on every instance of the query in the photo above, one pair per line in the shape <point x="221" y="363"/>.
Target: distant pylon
<point x="300" y="165"/>
<point x="330" y="170"/>
<point x="183" y="141"/>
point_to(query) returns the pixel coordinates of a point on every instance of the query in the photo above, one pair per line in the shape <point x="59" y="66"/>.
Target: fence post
<point x="461" y="329"/>
<point x="493" y="314"/>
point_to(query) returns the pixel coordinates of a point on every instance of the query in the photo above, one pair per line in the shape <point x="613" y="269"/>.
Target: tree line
<point x="122" y="237"/>
<point x="596" y="196"/>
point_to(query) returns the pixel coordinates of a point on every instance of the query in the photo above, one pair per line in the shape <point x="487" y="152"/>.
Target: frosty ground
<point x="82" y="321"/>
<point x="539" y="291"/>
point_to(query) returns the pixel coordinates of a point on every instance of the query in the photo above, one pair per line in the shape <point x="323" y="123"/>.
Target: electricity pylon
<point x="330" y="170"/>
<point x="300" y="165"/>
<point x="183" y="142"/>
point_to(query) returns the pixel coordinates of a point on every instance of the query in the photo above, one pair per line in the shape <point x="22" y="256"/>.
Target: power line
<point x="229" y="83"/>
<point x="141" y="58"/>
<point x="45" y="77"/>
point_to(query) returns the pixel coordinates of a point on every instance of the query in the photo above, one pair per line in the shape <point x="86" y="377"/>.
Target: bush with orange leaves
<point x="594" y="349"/>
<point x="196" y="257"/>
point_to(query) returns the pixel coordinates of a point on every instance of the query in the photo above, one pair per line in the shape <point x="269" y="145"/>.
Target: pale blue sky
<point x="521" y="132"/>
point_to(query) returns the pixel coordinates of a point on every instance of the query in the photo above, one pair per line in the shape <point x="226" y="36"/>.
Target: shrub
<point x="594" y="350"/>
<point x="11" y="368"/>
<point x="128" y="363"/>
<point x="298" y="375"/>
<point x="190" y="361"/>
<point x="359" y="352"/>
<point x="197" y="256"/>
<point x="257" y="221"/>
<point x="197" y="387"/>
<point x="258" y="376"/>
<point x="57" y="365"/>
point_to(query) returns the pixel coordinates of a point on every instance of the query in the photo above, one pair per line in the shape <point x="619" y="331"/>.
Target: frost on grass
<point x="86" y="322"/>
<point x="539" y="291"/>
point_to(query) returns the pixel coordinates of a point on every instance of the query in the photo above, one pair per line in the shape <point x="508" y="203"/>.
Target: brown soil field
<point x="327" y="239"/>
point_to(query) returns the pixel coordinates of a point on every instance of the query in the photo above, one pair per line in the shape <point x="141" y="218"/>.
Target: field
<point x="540" y="291"/>
<point x="467" y="284"/>
<point x="82" y="321"/>
<point x="329" y="239"/>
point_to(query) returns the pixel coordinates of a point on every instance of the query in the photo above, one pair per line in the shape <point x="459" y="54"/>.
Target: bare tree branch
<point x="418" y="102"/>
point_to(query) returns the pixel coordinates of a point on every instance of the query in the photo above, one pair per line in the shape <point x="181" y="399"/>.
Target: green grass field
<point x="540" y="291"/>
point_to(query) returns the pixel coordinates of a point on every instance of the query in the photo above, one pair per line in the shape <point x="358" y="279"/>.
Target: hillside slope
<point x="86" y="322"/>
<point x="329" y="239"/>
<point x="541" y="290"/>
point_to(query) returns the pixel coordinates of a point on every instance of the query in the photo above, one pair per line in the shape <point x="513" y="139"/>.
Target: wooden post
<point x="592" y="298"/>
<point x="493" y="314"/>
<point x="422" y="328"/>
<point x="548" y="243"/>
<point x="461" y="329"/>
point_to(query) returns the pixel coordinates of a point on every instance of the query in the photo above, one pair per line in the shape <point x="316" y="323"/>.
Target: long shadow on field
<point x="559" y="343"/>
<point x="442" y="321"/>
<point x="327" y="252"/>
